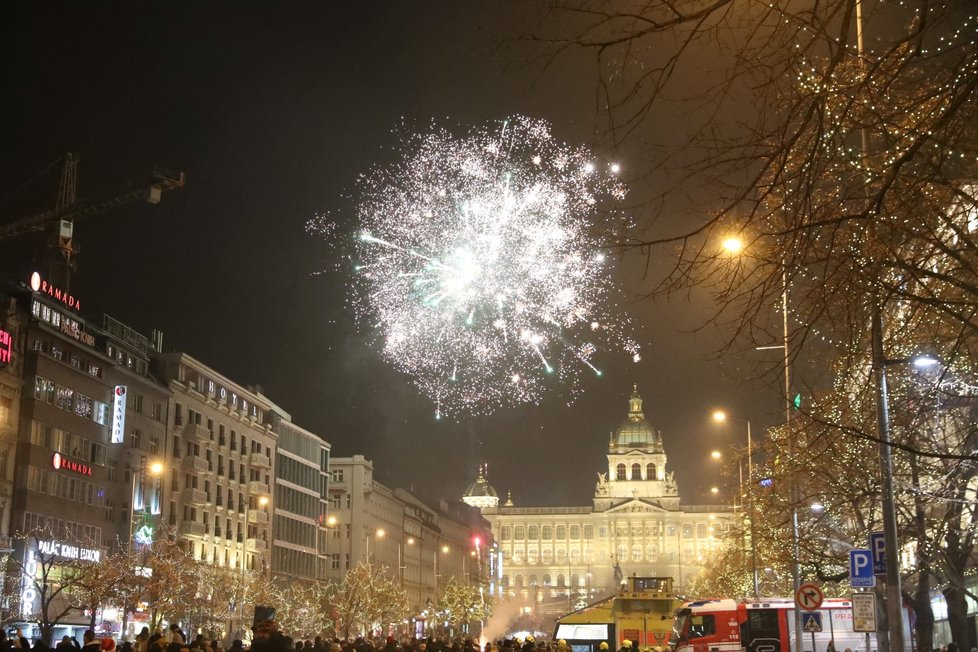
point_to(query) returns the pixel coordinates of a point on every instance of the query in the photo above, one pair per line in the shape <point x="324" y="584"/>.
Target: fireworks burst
<point x="478" y="268"/>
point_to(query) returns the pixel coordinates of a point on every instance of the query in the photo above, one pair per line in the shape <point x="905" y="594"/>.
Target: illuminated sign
<point x="6" y="346"/>
<point x="28" y="590"/>
<point x="119" y="414"/>
<point x="144" y="535"/>
<point x="39" y="284"/>
<point x="68" y="551"/>
<point x="61" y="463"/>
<point x="62" y="322"/>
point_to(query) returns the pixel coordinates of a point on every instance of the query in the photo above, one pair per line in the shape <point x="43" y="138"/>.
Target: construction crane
<point x="67" y="209"/>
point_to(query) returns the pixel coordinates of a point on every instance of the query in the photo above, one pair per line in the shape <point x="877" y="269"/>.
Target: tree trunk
<point x="957" y="613"/>
<point x="882" y="631"/>
<point x="91" y="621"/>
<point x="47" y="632"/>
<point x="125" y="621"/>
<point x="925" y="614"/>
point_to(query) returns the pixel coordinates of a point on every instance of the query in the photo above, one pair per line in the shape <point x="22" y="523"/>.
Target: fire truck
<point x="641" y="612"/>
<point x="768" y="625"/>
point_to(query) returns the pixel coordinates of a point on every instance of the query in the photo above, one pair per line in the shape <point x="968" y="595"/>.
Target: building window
<point x="336" y="475"/>
<point x="548" y="532"/>
<point x="620" y="472"/>
<point x="519" y="533"/>
<point x="701" y="531"/>
<point x="636" y="471"/>
<point x="134" y="438"/>
<point x="575" y="532"/>
<point x="504" y="533"/>
<point x="533" y="532"/>
<point x="650" y="472"/>
<point x="687" y="531"/>
<point x="154" y="445"/>
<point x="561" y="532"/>
<point x="588" y="531"/>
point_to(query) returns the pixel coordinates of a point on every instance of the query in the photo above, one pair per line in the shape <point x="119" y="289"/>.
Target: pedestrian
<point x="177" y="635"/>
<point x="64" y="645"/>
<point x="626" y="646"/>
<point x="831" y="646"/>
<point x="41" y="646"/>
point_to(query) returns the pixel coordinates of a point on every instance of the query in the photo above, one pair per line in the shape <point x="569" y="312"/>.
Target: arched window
<point x="650" y="472"/>
<point x="519" y="581"/>
<point x="560" y="581"/>
<point x="546" y="580"/>
<point x="620" y="475"/>
<point x="636" y="471"/>
<point x="533" y="580"/>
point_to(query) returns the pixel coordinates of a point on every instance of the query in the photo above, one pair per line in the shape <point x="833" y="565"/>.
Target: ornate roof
<point x="481" y="488"/>
<point x="636" y="432"/>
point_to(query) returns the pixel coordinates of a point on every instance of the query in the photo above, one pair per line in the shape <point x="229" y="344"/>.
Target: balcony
<point x="258" y="488"/>
<point x="193" y="496"/>
<point x="261" y="460"/>
<point x="196" y="432"/>
<point x="196" y="464"/>
<point x="257" y="517"/>
<point x="192" y="529"/>
<point x="255" y="545"/>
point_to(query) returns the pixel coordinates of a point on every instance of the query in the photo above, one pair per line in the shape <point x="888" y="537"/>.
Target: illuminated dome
<point x="480" y="493"/>
<point x="636" y="432"/>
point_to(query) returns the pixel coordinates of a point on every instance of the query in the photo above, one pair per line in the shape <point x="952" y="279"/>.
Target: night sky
<point x="273" y="110"/>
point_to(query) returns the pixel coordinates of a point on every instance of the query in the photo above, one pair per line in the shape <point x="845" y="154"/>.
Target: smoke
<point x="503" y="613"/>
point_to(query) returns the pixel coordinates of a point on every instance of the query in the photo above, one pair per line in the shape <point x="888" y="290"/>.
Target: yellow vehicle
<point x="641" y="613"/>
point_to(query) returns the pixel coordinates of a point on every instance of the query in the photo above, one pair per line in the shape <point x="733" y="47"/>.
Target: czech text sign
<point x="864" y="612"/>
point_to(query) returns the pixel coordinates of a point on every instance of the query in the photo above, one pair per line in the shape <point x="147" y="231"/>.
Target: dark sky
<point x="273" y="110"/>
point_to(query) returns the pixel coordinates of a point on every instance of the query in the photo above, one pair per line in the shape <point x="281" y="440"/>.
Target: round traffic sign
<point x="809" y="596"/>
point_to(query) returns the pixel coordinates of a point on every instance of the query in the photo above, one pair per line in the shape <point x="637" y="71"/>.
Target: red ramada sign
<point x="41" y="285"/>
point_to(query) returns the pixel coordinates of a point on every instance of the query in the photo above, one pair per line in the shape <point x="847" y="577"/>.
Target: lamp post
<point x="262" y="502"/>
<point x="734" y="245"/>
<point x="720" y="417"/>
<point x="372" y="532"/>
<point x="154" y="469"/>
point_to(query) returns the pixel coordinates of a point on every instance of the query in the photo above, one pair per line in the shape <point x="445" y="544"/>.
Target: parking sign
<point x="861" y="569"/>
<point x="877" y="546"/>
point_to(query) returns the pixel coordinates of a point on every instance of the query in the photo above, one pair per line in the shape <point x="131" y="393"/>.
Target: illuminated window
<point x="575" y="532"/>
<point x="519" y="533"/>
<point x="547" y="532"/>
<point x="636" y="471"/>
<point x="620" y="472"/>
<point x="650" y="472"/>
<point x="561" y="532"/>
<point x="533" y="532"/>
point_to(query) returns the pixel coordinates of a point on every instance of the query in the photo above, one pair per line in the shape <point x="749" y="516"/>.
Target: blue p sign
<point x="877" y="546"/>
<point x="861" y="569"/>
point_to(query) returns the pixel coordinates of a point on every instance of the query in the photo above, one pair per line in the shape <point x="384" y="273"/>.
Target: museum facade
<point x="555" y="559"/>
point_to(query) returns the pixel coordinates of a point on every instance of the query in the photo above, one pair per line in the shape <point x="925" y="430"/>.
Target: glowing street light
<point x="733" y="245"/>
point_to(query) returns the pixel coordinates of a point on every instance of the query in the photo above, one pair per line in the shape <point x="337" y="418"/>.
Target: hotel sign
<point x="119" y="414"/>
<point x="41" y="285"/>
<point x="61" y="463"/>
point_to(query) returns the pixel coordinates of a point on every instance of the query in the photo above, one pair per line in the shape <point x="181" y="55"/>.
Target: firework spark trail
<point x="478" y="267"/>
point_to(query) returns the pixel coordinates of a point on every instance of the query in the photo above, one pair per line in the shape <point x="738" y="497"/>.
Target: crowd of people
<point x="175" y="640"/>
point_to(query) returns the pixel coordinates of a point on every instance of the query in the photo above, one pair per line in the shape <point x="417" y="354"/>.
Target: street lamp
<point x="720" y="417"/>
<point x="891" y="556"/>
<point x="154" y="469"/>
<point x="372" y="532"/>
<point x="733" y="246"/>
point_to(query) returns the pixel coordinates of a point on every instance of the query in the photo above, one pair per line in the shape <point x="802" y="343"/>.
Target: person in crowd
<point x="64" y="645"/>
<point x="91" y="643"/>
<point x="177" y="635"/>
<point x="626" y="646"/>
<point x="236" y="645"/>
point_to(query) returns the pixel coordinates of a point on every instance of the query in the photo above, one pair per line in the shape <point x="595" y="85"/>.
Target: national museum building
<point x="556" y="558"/>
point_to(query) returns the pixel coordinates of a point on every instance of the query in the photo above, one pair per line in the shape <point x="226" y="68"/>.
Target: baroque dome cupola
<point x="636" y="432"/>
